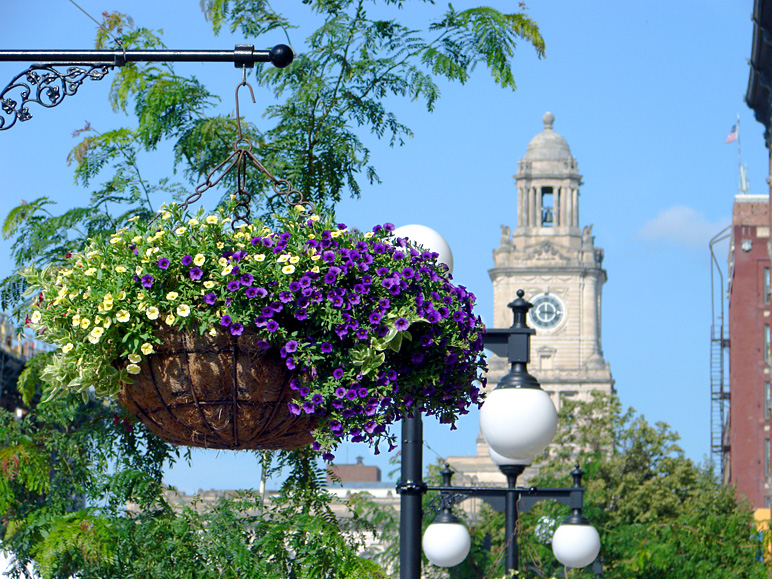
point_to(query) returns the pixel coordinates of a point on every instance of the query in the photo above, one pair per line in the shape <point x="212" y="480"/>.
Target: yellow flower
<point x="283" y="257"/>
<point x="259" y="257"/>
<point x="316" y="257"/>
<point x="222" y="262"/>
<point x="73" y="295"/>
<point x="208" y="284"/>
<point x="170" y="319"/>
<point x="108" y="322"/>
<point x="75" y="321"/>
<point x="120" y="269"/>
<point x="314" y="218"/>
<point x="141" y="296"/>
<point x="115" y="240"/>
<point x="165" y="215"/>
<point x="199" y="259"/>
<point x="35" y="317"/>
<point x="152" y="313"/>
<point x="315" y="269"/>
<point x="369" y="234"/>
<point x="171" y="296"/>
<point x="335" y="233"/>
<point x="227" y="270"/>
<point x="67" y="348"/>
<point x="133" y="369"/>
<point x="121" y="295"/>
<point x="90" y="271"/>
<point x="135" y="358"/>
<point x="138" y="270"/>
<point x="95" y="334"/>
<point x="147" y="348"/>
<point x="180" y="230"/>
<point x="212" y="219"/>
<point x="192" y="222"/>
<point x="212" y="332"/>
<point x="122" y="316"/>
<point x="85" y="323"/>
<point x="294" y="259"/>
<point x="288" y="269"/>
<point x="220" y="245"/>
<point x="136" y="239"/>
<point x="107" y="306"/>
<point x="183" y="310"/>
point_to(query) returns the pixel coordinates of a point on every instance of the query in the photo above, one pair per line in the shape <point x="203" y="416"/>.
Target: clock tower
<point x="557" y="264"/>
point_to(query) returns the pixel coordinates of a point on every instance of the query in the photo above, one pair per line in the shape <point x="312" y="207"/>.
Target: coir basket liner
<point x="215" y="391"/>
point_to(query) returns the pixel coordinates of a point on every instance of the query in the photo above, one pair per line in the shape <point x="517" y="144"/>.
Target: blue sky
<point x="645" y="93"/>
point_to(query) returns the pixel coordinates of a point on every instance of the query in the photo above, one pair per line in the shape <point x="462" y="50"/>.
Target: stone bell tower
<point x="558" y="266"/>
<point x="560" y="269"/>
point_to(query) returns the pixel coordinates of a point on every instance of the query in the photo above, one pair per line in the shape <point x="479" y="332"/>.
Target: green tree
<point x="70" y="467"/>
<point x="659" y="514"/>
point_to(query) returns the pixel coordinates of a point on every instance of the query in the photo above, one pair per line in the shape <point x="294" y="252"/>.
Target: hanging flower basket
<point x="215" y="391"/>
<point x="258" y="336"/>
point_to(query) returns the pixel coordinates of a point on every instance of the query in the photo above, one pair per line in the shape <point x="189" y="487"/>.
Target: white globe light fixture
<point x="430" y="240"/>
<point x="518" y="419"/>
<point x="576" y="543"/>
<point x="501" y="460"/>
<point x="446" y="542"/>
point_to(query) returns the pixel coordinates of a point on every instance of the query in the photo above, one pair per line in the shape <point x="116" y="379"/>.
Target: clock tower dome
<point x="560" y="269"/>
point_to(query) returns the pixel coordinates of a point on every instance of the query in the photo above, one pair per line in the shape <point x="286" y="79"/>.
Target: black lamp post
<point x="520" y="422"/>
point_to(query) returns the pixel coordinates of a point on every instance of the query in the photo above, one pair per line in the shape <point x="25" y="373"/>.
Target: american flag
<point x="732" y="136"/>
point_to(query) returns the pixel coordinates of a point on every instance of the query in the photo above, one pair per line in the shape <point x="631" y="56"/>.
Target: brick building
<point x="748" y="432"/>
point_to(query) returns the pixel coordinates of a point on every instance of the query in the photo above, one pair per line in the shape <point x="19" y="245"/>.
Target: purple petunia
<point x="272" y="326"/>
<point x="225" y="320"/>
<point x="237" y="329"/>
<point x="163" y="263"/>
<point x="187" y="260"/>
<point x="210" y="298"/>
<point x="294" y="409"/>
<point x="401" y="324"/>
<point x="317" y="399"/>
<point x="147" y="281"/>
<point x="304" y="391"/>
<point x="251" y="292"/>
<point x="375" y="317"/>
<point x="301" y="315"/>
<point x="196" y="273"/>
<point x="233" y="285"/>
<point x="247" y="279"/>
<point x="326" y="347"/>
<point x="291" y="346"/>
<point x="337" y="373"/>
<point x="340" y="392"/>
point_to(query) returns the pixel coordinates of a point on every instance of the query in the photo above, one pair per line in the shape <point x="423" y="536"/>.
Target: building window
<point x="766" y="342"/>
<point x="766" y="456"/>
<point x="767" y="400"/>
<point x="547" y="207"/>
<point x="766" y="286"/>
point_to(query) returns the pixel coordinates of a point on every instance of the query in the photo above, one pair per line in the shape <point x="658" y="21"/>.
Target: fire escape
<point x="719" y="353"/>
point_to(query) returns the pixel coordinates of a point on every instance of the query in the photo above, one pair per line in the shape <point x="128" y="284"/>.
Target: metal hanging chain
<point x="238" y="160"/>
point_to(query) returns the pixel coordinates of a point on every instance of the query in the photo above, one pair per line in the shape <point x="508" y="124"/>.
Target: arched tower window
<point x="547" y="207"/>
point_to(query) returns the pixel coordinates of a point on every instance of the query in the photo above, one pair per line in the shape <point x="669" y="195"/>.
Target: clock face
<point x="547" y="311"/>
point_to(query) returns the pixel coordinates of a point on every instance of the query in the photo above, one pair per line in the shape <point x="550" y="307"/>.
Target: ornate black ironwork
<point x="42" y="84"/>
<point x="46" y="86"/>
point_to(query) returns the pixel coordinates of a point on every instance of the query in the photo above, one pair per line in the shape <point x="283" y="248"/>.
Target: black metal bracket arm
<point x="42" y="84"/>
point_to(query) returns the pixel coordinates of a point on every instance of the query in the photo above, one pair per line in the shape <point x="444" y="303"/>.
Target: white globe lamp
<point x="446" y="542"/>
<point x="501" y="460"/>
<point x="429" y="239"/>
<point x="576" y="543"/>
<point x="518" y="423"/>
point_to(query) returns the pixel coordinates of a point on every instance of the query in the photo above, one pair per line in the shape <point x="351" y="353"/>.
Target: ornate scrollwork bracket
<point x="42" y="84"/>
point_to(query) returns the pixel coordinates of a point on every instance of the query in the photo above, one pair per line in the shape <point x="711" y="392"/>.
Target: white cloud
<point x="682" y="225"/>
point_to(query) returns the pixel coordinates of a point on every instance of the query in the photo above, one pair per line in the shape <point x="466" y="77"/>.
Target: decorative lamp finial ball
<point x="548" y="119"/>
<point x="282" y="56"/>
<point x="430" y="239"/>
<point x="520" y="293"/>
